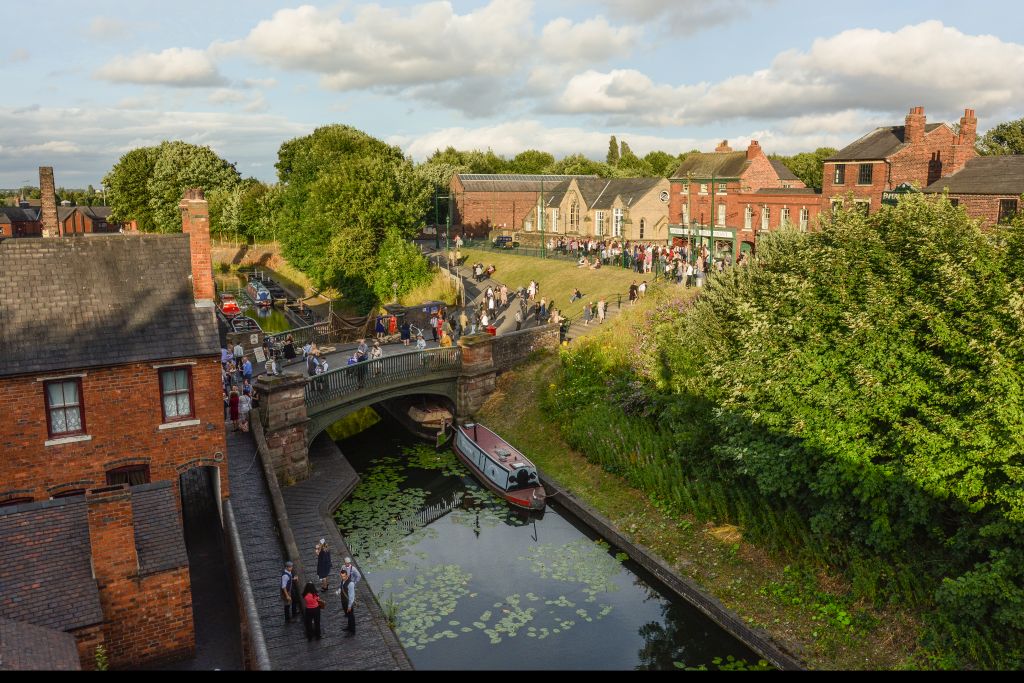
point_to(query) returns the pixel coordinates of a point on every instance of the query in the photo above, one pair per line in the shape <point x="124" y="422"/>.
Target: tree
<point x="181" y="166"/>
<point x="577" y="164"/>
<point x="661" y="163"/>
<point x="532" y="162"/>
<point x="613" y="152"/>
<point x="127" y="186"/>
<point x="1006" y="138"/>
<point x="807" y="166"/>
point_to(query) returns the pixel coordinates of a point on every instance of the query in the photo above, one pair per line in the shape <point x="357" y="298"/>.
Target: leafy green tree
<point x="1006" y="138"/>
<point x="398" y="262"/>
<point x="661" y="163"/>
<point x="127" y="186"/>
<point x="612" y="158"/>
<point x="532" y="162"/>
<point x="807" y="166"/>
<point x="630" y="165"/>
<point x="577" y="164"/>
<point x="180" y="166"/>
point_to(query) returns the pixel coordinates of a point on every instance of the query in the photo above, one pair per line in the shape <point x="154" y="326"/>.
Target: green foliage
<point x="577" y="164"/>
<point x="1006" y="138"/>
<point x="854" y="397"/>
<point x="345" y="195"/>
<point x="612" y="158"/>
<point x="532" y="162"/>
<point x="807" y="166"/>
<point x="147" y="184"/>
<point x="101" y="658"/>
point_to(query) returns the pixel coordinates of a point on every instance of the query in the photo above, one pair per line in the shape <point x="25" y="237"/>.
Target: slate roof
<point x="13" y="214"/>
<point x="46" y="566"/>
<point x="99" y="300"/>
<point x="985" y="175"/>
<point x="159" y="539"/>
<point x="782" y="170"/>
<point x="512" y="182"/>
<point x="881" y="143"/>
<point x="24" y="647"/>
<point x="720" y="164"/>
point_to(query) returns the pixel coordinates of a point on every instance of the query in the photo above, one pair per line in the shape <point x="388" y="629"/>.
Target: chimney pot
<point x="195" y="222"/>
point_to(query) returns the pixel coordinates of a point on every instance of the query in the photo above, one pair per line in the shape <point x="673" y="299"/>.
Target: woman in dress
<point x="289" y="348"/>
<point x="233" y="409"/>
<point x="588" y="313"/>
<point x="405" y="333"/>
<point x="323" y="563"/>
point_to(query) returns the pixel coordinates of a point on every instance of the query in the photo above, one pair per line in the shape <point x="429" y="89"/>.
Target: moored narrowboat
<point x="499" y="466"/>
<point x="229" y="307"/>
<point x="259" y="294"/>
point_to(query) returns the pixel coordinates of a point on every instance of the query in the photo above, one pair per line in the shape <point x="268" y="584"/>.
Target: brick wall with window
<point x="73" y="430"/>
<point x="989" y="209"/>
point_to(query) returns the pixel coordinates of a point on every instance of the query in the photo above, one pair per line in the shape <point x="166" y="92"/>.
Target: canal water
<point x="475" y="584"/>
<point x="271" y="319"/>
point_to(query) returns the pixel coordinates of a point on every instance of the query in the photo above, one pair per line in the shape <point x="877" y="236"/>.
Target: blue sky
<point x="89" y="81"/>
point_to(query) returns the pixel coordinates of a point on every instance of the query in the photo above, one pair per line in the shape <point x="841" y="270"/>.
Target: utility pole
<point x="540" y="213"/>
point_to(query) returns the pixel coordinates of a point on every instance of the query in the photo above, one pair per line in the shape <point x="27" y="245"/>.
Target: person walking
<point x="313" y="604"/>
<point x="588" y="313"/>
<point x="519" y="320"/>
<point x="602" y="307"/>
<point x="233" y="402"/>
<point x="503" y="296"/>
<point x="348" y="601"/>
<point x="642" y="289"/>
<point x="323" y="563"/>
<point x="405" y="333"/>
<point x="244" y="407"/>
<point x="433" y="326"/>
<point x="633" y="292"/>
<point x="291" y="607"/>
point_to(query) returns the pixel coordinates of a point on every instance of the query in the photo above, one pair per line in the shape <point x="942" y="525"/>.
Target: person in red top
<point x="312" y="614"/>
<point x="233" y="407"/>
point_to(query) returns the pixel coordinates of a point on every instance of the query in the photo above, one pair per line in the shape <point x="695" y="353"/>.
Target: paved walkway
<point x="265" y="556"/>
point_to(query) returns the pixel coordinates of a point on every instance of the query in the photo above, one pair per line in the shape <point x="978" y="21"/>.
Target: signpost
<point x="892" y="197"/>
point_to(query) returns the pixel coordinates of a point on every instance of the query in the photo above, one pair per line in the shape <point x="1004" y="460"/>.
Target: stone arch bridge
<point x="295" y="409"/>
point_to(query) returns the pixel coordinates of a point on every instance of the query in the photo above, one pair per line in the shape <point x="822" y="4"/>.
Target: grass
<point x="805" y="609"/>
<point x="440" y="288"/>
<point x="558" y="278"/>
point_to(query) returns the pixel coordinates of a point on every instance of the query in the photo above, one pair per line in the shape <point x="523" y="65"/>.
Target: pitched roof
<point x="159" y="539"/>
<point x="985" y="175"/>
<point x="13" y="214"/>
<point x="46" y="565"/>
<point x="719" y="164"/>
<point x="782" y="170"/>
<point x="881" y="143"/>
<point x="24" y="647"/>
<point x="64" y="211"/>
<point x="99" y="300"/>
<point x="512" y="182"/>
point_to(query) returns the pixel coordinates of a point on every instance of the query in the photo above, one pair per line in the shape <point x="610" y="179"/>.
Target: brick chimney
<point x="723" y="147"/>
<point x="968" y="128"/>
<point x="112" y="534"/>
<point x="913" y="134"/>
<point x="48" y="202"/>
<point x="754" y="149"/>
<point x="195" y="222"/>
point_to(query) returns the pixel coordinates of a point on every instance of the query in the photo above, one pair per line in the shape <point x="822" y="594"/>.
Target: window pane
<point x="181" y="379"/>
<point x="170" y="406"/>
<point x="74" y="419"/>
<point x="57" y="421"/>
<point x="183" y="407"/>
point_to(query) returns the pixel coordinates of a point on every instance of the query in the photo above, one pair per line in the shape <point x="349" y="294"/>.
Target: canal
<point x="472" y="583"/>
<point x="271" y="319"/>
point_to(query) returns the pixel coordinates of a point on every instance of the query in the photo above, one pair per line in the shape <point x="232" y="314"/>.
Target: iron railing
<point x="383" y="372"/>
<point x="318" y="333"/>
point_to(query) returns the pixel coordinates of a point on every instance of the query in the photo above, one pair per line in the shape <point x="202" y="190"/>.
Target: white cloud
<point x="257" y="104"/>
<point x="108" y="28"/>
<point x="380" y="46"/>
<point x="93" y="138"/>
<point x="265" y="83"/>
<point x="225" y="96"/>
<point x="592" y="40"/>
<point x="178" y="67"/>
<point x="680" y="17"/>
<point x="859" y="69"/>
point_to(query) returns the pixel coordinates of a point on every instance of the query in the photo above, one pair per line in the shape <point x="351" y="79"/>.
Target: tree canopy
<point x="1006" y="138"/>
<point x="807" y="166"/>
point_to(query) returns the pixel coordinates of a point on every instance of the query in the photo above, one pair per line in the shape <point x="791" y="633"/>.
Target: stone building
<point x="917" y="154"/>
<point x="111" y="380"/>
<point x="634" y="209"/>
<point x="988" y="188"/>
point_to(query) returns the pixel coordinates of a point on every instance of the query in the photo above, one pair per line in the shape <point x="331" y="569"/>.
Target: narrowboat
<point x="259" y="294"/>
<point x="229" y="307"/>
<point x="499" y="466"/>
<point x="245" y="324"/>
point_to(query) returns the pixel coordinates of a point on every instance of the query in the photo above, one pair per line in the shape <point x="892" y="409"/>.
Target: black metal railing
<point x="383" y="372"/>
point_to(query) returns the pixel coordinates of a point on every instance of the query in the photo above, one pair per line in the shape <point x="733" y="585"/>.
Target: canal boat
<point x="499" y="466"/>
<point x="259" y="294"/>
<point x="245" y="324"/>
<point x="229" y="307"/>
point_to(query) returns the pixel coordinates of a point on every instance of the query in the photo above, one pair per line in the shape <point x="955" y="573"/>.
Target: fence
<point x="383" y="372"/>
<point x="623" y="260"/>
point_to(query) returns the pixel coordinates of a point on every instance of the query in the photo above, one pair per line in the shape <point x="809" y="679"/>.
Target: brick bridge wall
<point x="512" y="348"/>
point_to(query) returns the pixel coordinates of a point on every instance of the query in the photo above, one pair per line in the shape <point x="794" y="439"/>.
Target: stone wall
<point x="283" y="429"/>
<point x="511" y="348"/>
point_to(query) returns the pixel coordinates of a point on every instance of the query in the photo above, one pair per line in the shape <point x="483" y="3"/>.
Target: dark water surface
<point x="479" y="585"/>
<point x="271" y="319"/>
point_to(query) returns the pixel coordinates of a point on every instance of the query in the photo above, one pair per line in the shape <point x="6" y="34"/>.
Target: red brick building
<point x="917" y="153"/>
<point x="20" y="221"/>
<point x="111" y="376"/>
<point x="724" y="199"/>
<point x="86" y="220"/>
<point x="481" y="202"/>
<point x="988" y="188"/>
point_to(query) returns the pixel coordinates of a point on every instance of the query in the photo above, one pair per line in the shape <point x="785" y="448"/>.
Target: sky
<point x="87" y="82"/>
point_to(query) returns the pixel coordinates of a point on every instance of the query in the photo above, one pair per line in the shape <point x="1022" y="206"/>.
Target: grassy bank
<point x="805" y="607"/>
<point x="558" y="278"/>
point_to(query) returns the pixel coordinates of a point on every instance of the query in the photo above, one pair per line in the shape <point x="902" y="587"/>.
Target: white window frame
<point x="599" y="223"/>
<point x="617" y="222"/>
<point x="703" y="188"/>
<point x="766" y="217"/>
<point x="720" y="188"/>
<point x="720" y="216"/>
<point x="786" y="217"/>
<point x="748" y="218"/>
<point x="804" y="218"/>
<point x="554" y="220"/>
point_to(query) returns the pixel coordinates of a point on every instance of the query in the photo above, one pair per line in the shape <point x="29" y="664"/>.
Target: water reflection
<point x="480" y="585"/>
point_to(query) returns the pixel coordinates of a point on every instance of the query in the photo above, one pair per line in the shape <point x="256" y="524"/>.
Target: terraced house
<point x="112" y="410"/>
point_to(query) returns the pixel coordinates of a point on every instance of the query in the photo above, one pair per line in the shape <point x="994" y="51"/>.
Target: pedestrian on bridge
<point x="348" y="601"/>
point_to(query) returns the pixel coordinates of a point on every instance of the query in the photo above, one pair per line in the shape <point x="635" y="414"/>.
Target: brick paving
<point x="373" y="647"/>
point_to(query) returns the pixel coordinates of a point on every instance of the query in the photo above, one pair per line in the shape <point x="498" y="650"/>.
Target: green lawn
<point x="557" y="278"/>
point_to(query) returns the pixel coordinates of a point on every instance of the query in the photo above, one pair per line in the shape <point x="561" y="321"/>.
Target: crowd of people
<point x="658" y="260"/>
<point x="310" y="603"/>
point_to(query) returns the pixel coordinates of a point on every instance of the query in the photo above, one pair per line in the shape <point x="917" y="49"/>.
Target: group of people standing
<point x="310" y="602"/>
<point x="240" y="397"/>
